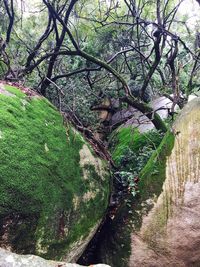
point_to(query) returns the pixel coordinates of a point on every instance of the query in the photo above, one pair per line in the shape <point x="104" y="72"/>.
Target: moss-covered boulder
<point x="54" y="191"/>
<point x="167" y="232"/>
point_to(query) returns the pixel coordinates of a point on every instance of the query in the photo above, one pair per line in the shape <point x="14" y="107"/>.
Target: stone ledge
<point x="9" y="259"/>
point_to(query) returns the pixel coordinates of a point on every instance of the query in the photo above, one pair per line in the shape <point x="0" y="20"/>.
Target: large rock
<point x="168" y="230"/>
<point x="136" y="119"/>
<point x="51" y="181"/>
<point x="8" y="259"/>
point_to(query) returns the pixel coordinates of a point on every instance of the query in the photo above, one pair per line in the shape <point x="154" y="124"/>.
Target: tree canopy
<point x="75" y="52"/>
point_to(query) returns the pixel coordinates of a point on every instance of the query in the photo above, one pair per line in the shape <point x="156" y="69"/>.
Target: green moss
<point x="115" y="248"/>
<point x="40" y="173"/>
<point x="151" y="177"/>
<point x="153" y="174"/>
<point x="87" y="216"/>
<point x="130" y="139"/>
<point x="151" y="180"/>
<point x="14" y="90"/>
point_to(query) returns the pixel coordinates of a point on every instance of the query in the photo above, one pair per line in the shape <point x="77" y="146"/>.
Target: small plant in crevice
<point x="127" y="180"/>
<point x="134" y="162"/>
<point x="132" y="153"/>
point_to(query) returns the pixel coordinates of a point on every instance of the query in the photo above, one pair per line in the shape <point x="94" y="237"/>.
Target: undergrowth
<point x="131" y="150"/>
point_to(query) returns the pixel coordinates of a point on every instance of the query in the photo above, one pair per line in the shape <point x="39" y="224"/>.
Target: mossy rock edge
<point x="168" y="230"/>
<point x="54" y="190"/>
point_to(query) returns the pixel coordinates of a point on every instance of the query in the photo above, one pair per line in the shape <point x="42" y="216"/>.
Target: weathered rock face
<point x="8" y="259"/>
<point x="170" y="232"/>
<point x="51" y="181"/>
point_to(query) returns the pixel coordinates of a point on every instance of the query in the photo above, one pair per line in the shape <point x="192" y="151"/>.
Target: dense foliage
<point x="77" y="52"/>
<point x="131" y="151"/>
